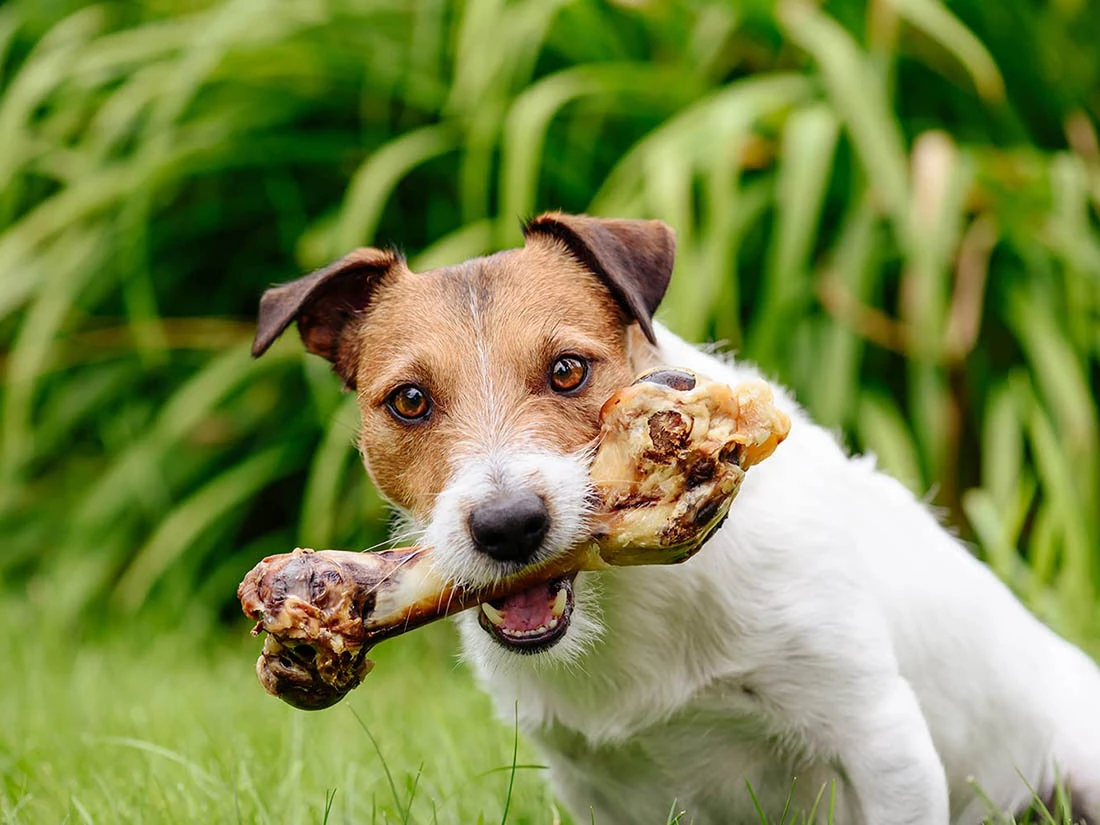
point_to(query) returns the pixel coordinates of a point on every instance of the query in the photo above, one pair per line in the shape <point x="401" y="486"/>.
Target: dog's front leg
<point x="886" y="752"/>
<point x="839" y="691"/>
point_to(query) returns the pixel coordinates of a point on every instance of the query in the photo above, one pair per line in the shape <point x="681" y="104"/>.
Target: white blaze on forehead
<point x="489" y="420"/>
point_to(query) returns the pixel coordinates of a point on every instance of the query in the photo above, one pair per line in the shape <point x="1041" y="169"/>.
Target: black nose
<point x="511" y="526"/>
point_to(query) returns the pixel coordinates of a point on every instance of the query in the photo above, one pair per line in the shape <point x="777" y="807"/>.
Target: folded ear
<point x="322" y="303"/>
<point x="633" y="258"/>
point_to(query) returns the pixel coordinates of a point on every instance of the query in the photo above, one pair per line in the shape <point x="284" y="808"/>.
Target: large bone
<point x="672" y="454"/>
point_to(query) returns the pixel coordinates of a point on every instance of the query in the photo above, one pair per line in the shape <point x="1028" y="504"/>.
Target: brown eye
<point x="409" y="403"/>
<point x="568" y="373"/>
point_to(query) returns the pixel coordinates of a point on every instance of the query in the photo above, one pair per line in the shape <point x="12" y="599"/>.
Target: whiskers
<point x="408" y="535"/>
<point x="406" y="532"/>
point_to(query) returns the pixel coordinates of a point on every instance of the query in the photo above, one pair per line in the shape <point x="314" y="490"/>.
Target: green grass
<point x="157" y="726"/>
<point x="153" y="724"/>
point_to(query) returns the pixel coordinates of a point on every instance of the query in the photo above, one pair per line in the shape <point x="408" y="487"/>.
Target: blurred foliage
<point x="892" y="206"/>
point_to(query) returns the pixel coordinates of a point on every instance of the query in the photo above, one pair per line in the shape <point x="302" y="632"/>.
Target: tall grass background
<point x="891" y="205"/>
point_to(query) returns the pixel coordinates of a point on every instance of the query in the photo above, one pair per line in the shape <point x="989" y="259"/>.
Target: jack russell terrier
<point x="832" y="634"/>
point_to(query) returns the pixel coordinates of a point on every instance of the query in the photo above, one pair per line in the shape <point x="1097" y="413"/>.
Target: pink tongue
<point x="529" y="609"/>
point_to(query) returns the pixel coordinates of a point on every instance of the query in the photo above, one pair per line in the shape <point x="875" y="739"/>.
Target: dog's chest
<point x="700" y="762"/>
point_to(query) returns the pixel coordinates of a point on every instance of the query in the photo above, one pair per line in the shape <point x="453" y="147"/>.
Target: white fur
<point x="831" y="632"/>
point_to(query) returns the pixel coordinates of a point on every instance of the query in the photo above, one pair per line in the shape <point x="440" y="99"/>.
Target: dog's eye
<point x="409" y="403"/>
<point x="568" y="373"/>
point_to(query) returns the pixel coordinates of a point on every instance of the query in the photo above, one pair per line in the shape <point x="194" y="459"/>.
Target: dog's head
<point x="480" y="387"/>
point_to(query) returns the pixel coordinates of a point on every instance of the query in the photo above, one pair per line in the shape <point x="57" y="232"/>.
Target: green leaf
<point x="852" y="263"/>
<point x="884" y="433"/>
<point x="858" y="94"/>
<point x="935" y="20"/>
<point x="619" y="87"/>
<point x="373" y="183"/>
<point x="194" y="515"/>
<point x="806" y="164"/>
<point x="1002" y="446"/>
<point x="327" y="469"/>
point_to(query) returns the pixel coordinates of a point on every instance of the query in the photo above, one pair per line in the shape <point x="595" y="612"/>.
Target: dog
<point x="832" y="643"/>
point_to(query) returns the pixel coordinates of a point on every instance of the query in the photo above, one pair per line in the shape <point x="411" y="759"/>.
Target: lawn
<point x="154" y="725"/>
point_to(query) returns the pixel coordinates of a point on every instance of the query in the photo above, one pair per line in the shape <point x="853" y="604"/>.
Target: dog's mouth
<point x="531" y="621"/>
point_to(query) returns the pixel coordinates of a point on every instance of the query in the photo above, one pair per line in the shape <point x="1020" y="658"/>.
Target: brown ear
<point x="633" y="258"/>
<point x="322" y="303"/>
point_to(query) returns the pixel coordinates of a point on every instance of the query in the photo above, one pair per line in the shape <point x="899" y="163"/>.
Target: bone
<point x="672" y="455"/>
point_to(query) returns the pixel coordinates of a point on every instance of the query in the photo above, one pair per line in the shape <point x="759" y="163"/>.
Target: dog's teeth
<point x="497" y="618"/>
<point x="559" y="604"/>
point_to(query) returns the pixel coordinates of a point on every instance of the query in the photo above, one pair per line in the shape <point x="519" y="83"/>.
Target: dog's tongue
<point x="528" y="610"/>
